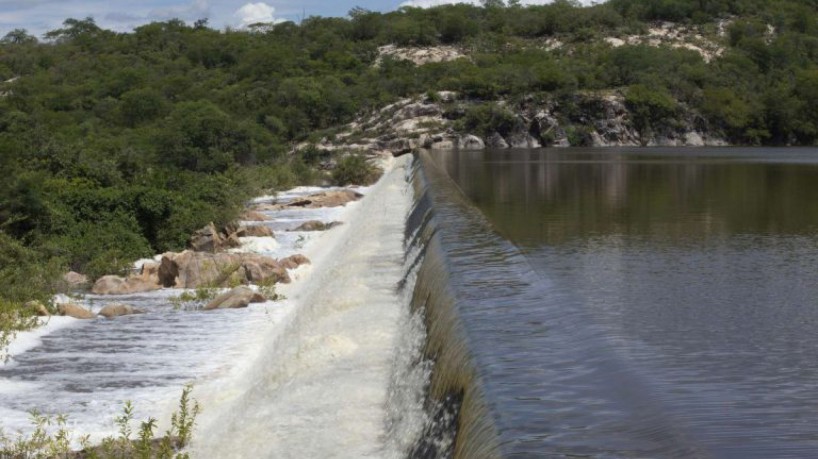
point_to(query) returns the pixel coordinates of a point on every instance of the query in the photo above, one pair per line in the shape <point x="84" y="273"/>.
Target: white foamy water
<point x="307" y="376"/>
<point x="322" y="384"/>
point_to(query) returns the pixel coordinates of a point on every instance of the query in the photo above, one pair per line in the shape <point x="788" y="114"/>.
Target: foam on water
<point x="337" y="324"/>
<point x="322" y="382"/>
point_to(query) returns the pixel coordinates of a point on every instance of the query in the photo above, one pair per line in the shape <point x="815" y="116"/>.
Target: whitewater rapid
<point x="318" y="384"/>
<point x="322" y="373"/>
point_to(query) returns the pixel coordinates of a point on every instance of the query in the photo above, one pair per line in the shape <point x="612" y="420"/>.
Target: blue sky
<point x="39" y="16"/>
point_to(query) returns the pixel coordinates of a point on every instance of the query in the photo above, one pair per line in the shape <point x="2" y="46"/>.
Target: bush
<point x="354" y="170"/>
<point x="486" y="119"/>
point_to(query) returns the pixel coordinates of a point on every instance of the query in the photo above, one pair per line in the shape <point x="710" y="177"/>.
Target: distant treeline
<point x="115" y="146"/>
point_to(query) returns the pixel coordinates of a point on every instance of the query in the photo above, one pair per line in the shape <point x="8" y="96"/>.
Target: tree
<point x="19" y="37"/>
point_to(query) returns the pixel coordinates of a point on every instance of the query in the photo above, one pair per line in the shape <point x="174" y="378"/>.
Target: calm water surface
<point x="676" y="310"/>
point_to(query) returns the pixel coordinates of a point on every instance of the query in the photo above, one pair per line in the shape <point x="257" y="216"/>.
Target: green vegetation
<point x="51" y="437"/>
<point x="119" y="145"/>
<point x="354" y="169"/>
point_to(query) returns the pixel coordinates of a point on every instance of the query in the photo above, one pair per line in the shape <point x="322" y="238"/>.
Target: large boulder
<point x="258" y="269"/>
<point x="239" y="297"/>
<point x="207" y="239"/>
<point x="294" y="261"/>
<point x="75" y="311"/>
<point x="471" y="142"/>
<point x="117" y="310"/>
<point x="190" y="269"/>
<point x="496" y="141"/>
<point x="117" y="285"/>
<point x="258" y="231"/>
<point x="75" y="280"/>
<point x="316" y="225"/>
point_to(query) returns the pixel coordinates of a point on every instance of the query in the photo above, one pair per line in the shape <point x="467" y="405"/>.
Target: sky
<point x="39" y="16"/>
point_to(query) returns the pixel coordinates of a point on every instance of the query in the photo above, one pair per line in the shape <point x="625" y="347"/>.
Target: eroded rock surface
<point x="190" y="269"/>
<point x="75" y="311"/>
<point x="239" y="297"/>
<point x="117" y="310"/>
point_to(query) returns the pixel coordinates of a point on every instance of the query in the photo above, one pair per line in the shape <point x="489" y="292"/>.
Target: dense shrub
<point x="354" y="170"/>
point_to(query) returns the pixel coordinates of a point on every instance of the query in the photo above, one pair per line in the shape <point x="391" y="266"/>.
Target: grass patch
<point x="51" y="438"/>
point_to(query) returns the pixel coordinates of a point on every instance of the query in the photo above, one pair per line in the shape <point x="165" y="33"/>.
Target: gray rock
<point x="471" y="142"/>
<point x="523" y="140"/>
<point x="496" y="141"/>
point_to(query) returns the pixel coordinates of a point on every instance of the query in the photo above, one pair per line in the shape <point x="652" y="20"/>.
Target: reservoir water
<point x="635" y="303"/>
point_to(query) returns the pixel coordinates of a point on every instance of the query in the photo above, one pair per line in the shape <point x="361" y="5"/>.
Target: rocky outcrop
<point x="75" y="311"/>
<point x="419" y="56"/>
<point x="239" y="297"/>
<point x="674" y="35"/>
<point x="190" y="269"/>
<point x="117" y="310"/>
<point x="316" y="225"/>
<point x="592" y="120"/>
<point x="294" y="261"/>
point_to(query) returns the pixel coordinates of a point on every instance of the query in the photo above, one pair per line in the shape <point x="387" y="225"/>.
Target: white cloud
<point x="254" y="13"/>
<point x="431" y="3"/>
<point x="196" y="9"/>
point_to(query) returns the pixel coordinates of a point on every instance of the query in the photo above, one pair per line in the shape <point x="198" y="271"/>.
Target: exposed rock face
<point x="75" y="311"/>
<point x="239" y="297"/>
<point x="316" y="225"/>
<point x="116" y="285"/>
<point x="417" y="110"/>
<point x="677" y="36"/>
<point x="75" y="280"/>
<point x="420" y="56"/>
<point x="117" y="310"/>
<point x="201" y="269"/>
<point x="599" y="119"/>
<point x="37" y="308"/>
<point x="258" y="231"/>
<point x="294" y="261"/>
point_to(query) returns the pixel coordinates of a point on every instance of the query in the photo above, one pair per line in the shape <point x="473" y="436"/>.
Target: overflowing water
<point x="326" y="357"/>
<point x="633" y="303"/>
